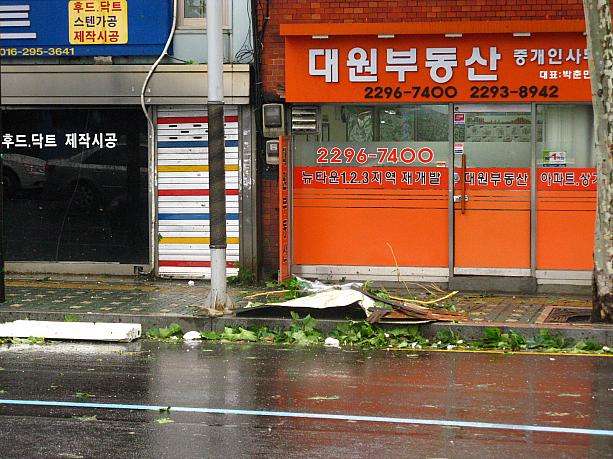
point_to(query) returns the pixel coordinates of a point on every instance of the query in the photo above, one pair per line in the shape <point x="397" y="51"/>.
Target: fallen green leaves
<point x="289" y="289"/>
<point x="172" y="332"/>
<point x="164" y="421"/>
<point x="304" y="332"/>
<point x="30" y="340"/>
<point x="300" y="332"/>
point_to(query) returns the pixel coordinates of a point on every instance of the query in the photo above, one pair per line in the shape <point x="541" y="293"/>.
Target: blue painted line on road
<point x="324" y="416"/>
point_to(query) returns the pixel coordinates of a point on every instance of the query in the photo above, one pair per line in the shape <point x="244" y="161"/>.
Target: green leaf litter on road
<point x="361" y="334"/>
<point x="164" y="421"/>
<point x="30" y="340"/>
<point x="172" y="332"/>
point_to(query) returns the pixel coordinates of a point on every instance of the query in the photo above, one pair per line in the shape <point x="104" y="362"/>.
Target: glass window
<point x="376" y="130"/>
<point x="105" y="157"/>
<point x="76" y="185"/>
<point x="565" y="136"/>
<point x="397" y="124"/>
<point x="495" y="137"/>
<point x="192" y="14"/>
<point x="194" y="9"/>
<point x="359" y="125"/>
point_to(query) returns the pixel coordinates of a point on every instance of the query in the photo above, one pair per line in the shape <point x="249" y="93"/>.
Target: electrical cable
<point x="151" y="125"/>
<point x="246" y="52"/>
<point x="156" y="63"/>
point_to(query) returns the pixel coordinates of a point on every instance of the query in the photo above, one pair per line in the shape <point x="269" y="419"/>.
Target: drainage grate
<point x="568" y="315"/>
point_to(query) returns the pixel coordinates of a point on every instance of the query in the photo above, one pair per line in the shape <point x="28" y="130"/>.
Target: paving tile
<point x="174" y="297"/>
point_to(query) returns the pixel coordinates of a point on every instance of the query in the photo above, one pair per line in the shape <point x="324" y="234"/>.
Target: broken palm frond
<point x="398" y="268"/>
<point x="430" y="292"/>
<point x="273" y="292"/>
<point x="437" y="300"/>
<point x="409" y="308"/>
<point x="422" y="312"/>
<point x="433" y="286"/>
<point x="376" y="314"/>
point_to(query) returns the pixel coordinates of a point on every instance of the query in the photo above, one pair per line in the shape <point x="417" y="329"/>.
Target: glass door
<point x="492" y="160"/>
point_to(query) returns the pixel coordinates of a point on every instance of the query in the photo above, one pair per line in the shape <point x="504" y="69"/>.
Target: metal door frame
<point x="515" y="272"/>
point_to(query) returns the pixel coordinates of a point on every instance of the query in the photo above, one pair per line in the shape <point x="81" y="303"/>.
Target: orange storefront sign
<point x="372" y="205"/>
<point x="469" y="67"/>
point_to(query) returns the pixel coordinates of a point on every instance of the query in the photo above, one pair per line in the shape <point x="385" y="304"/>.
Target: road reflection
<point x="560" y="391"/>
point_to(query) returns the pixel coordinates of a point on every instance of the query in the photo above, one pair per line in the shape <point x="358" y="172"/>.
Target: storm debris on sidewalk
<point x="352" y="300"/>
<point x="192" y="336"/>
<point x="332" y="303"/>
<point x="398" y="308"/>
<point x="85" y="331"/>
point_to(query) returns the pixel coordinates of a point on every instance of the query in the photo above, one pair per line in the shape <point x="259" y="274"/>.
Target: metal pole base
<point x="218" y="298"/>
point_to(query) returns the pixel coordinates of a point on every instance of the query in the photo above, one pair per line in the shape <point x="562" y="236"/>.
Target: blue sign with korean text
<point x="55" y="28"/>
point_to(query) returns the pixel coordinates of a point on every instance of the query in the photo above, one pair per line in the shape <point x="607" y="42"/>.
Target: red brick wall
<point x="325" y="11"/>
<point x="270" y="227"/>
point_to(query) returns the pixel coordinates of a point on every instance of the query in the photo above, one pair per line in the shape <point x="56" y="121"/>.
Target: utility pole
<point x="218" y="298"/>
<point x="2" y="278"/>
<point x="600" y="43"/>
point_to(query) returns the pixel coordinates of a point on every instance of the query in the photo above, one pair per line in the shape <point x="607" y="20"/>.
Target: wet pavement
<point x="522" y="390"/>
<point x="142" y="296"/>
<point x="160" y="302"/>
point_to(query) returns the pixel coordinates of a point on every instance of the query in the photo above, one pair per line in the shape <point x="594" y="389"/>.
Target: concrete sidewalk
<point x="161" y="302"/>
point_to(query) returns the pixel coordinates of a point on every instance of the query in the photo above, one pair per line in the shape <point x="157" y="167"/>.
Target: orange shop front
<point x="441" y="155"/>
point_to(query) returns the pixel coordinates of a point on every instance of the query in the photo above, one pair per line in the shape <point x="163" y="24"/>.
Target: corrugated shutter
<point x="183" y="191"/>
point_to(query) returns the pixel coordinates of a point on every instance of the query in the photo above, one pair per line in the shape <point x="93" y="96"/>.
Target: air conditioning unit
<point x="305" y="119"/>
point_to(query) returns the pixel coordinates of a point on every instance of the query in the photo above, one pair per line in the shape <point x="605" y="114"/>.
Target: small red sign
<point x="566" y="179"/>
<point x="371" y="177"/>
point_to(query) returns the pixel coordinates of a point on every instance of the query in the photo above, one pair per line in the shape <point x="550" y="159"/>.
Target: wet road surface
<point x="469" y="389"/>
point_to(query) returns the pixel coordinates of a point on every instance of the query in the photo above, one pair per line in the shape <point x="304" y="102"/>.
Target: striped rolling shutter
<point x="183" y="191"/>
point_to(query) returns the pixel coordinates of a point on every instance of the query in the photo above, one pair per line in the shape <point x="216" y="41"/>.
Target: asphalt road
<point x="293" y="402"/>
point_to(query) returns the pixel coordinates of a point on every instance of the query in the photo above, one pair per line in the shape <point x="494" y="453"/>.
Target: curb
<point x="598" y="333"/>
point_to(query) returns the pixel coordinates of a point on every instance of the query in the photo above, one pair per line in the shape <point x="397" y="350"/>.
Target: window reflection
<point x="370" y="127"/>
<point x="76" y="185"/>
<point x="194" y="8"/>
